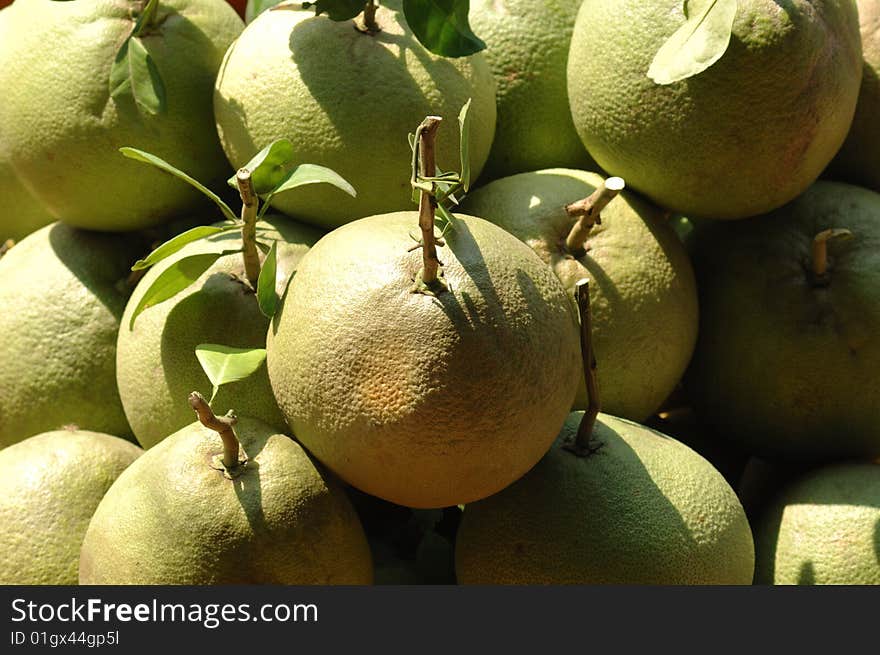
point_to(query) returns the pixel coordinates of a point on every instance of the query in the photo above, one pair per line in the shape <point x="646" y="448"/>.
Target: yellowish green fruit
<point x="858" y="161"/>
<point x="51" y="485"/>
<point x="823" y="529"/>
<point x="642" y="508"/>
<point x="643" y="293"/>
<point x="21" y="213"/>
<point x="62" y="293"/>
<point x="741" y="138"/>
<point x="61" y="130"/>
<point x="786" y="360"/>
<point x="527" y="48"/>
<point x="175" y="517"/>
<point x="156" y="361"/>
<point x="347" y="100"/>
<point x="425" y="401"/>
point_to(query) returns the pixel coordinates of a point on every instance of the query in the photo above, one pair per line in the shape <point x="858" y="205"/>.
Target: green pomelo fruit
<point x="823" y="529"/>
<point x="51" y="485"/>
<point x="424" y="401"/>
<point x="156" y="361"/>
<point x="347" y="100"/>
<point x="62" y="293"/>
<point x="741" y="138"/>
<point x="61" y="129"/>
<point x="682" y="424"/>
<point x="21" y="213"/>
<point x="174" y="518"/>
<point x="527" y="49"/>
<point x="642" y="293"/>
<point x="786" y="361"/>
<point x="641" y="509"/>
<point x="858" y="161"/>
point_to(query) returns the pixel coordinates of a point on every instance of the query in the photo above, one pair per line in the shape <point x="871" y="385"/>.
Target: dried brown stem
<point x="368" y="23"/>
<point x="222" y="425"/>
<point x="6" y="246"/>
<point x="588" y="213"/>
<point x="820" y="249"/>
<point x="250" y="202"/>
<point x="427" y="203"/>
<point x="582" y="445"/>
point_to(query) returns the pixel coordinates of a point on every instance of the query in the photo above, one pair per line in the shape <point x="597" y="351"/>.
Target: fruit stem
<point x="820" y="250"/>
<point x="368" y="23"/>
<point x="582" y="445"/>
<point x="249" y="205"/>
<point x="6" y="246"/>
<point x="588" y="212"/>
<point x="222" y="425"/>
<point x="425" y="134"/>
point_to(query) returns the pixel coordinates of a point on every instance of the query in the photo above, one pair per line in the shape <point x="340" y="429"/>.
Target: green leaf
<point x="337" y="10"/>
<point x="173" y="245"/>
<point x="134" y="74"/>
<point x="224" y="364"/>
<point x="697" y="44"/>
<point x="442" y="26"/>
<point x="266" y="296"/>
<point x="153" y="160"/>
<point x="314" y="174"/>
<point x="175" y="279"/>
<point x="464" y="131"/>
<point x="269" y="167"/>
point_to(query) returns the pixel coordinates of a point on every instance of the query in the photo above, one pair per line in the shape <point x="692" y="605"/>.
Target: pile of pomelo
<point x="499" y="292"/>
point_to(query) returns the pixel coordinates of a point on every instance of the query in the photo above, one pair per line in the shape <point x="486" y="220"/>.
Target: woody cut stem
<point x="588" y="213"/>
<point x="249" y="204"/>
<point x="222" y="425"/>
<point x="426" y="134"/>
<point x="582" y="445"/>
<point x="820" y="249"/>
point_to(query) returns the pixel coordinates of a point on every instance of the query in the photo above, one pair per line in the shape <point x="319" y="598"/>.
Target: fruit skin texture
<point x="743" y="137"/>
<point x="643" y="295"/>
<point x="156" y="362"/>
<point x="61" y="130"/>
<point x="424" y="401"/>
<point x="783" y="367"/>
<point x="823" y="529"/>
<point x="643" y="509"/>
<point x="62" y="291"/>
<point x="858" y="161"/>
<point x="51" y="485"/>
<point x="172" y="518"/>
<point x="349" y="101"/>
<point x="527" y="49"/>
<point x="21" y="213"/>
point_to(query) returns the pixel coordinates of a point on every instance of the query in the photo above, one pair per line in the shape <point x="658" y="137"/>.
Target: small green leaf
<point x="444" y="219"/>
<point x="337" y="10"/>
<point x="134" y="74"/>
<point x="224" y="364"/>
<point x="697" y="44"/>
<point x="269" y="167"/>
<point x="266" y="296"/>
<point x="314" y="174"/>
<point x="464" y="131"/>
<point x="263" y="247"/>
<point x="309" y="174"/>
<point x="442" y="26"/>
<point x="153" y="160"/>
<point x="175" y="279"/>
<point x="173" y="245"/>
